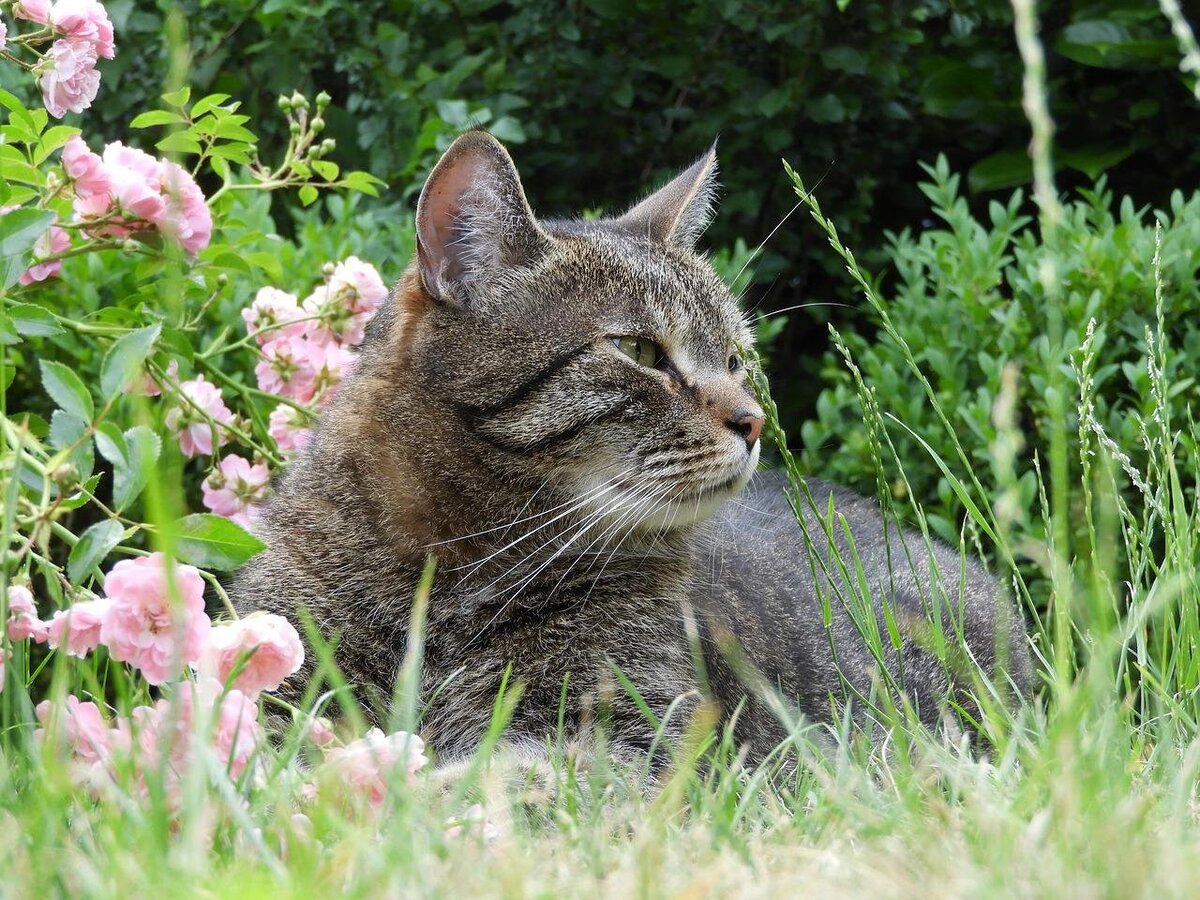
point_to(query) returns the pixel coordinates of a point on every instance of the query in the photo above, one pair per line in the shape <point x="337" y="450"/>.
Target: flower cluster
<point x="212" y="711"/>
<point x="305" y="349"/>
<point x="152" y="617"/>
<point x="127" y="191"/>
<point x="124" y="192"/>
<point x="305" y="345"/>
<point x="81" y="35"/>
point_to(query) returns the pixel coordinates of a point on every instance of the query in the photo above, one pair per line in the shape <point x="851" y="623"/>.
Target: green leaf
<point x="52" y="140"/>
<point x="179" y="142"/>
<point x="214" y="542"/>
<point x="232" y="131"/>
<point x="1113" y="44"/>
<point x="177" y="98"/>
<point x="143" y="448"/>
<point x="33" y="321"/>
<point x="111" y="444"/>
<point x="66" y="390"/>
<point x="233" y="152"/>
<point x="1005" y="169"/>
<point x="67" y="430"/>
<point x="157" y="117"/>
<point x="363" y="182"/>
<point x="93" y="546"/>
<point x="17" y="109"/>
<point x="204" y="104"/>
<point x="133" y="455"/>
<point x="327" y="170"/>
<point x="80" y="498"/>
<point x="308" y="194"/>
<point x="8" y="336"/>
<point x="124" y="360"/>
<point x="19" y="231"/>
<point x="1093" y="159"/>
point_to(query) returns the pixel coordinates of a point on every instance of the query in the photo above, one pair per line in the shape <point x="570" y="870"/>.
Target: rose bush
<point x="159" y="366"/>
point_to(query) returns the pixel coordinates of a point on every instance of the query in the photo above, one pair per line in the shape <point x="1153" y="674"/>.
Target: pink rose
<point x="86" y="169"/>
<point x="84" y="23"/>
<point x="234" y="487"/>
<point x="288" y="427"/>
<point x="23" y="621"/>
<point x="344" y="305"/>
<point x="267" y="644"/>
<point x="68" y="77"/>
<point x="359" y="284"/>
<point x="151" y="387"/>
<point x="136" y="187"/>
<point x="193" y="711"/>
<point x="328" y="318"/>
<point x="271" y="309"/>
<point x="192" y="420"/>
<point x="330" y="364"/>
<point x="473" y="823"/>
<point x="144" y="627"/>
<point x="286" y="369"/>
<point x="367" y="765"/>
<point x="80" y="727"/>
<point x="185" y="218"/>
<point x="55" y="240"/>
<point x="76" y="629"/>
<point x="33" y="11"/>
<point x="320" y="732"/>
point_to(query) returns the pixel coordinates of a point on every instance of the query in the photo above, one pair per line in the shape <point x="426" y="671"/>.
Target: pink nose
<point x="749" y="424"/>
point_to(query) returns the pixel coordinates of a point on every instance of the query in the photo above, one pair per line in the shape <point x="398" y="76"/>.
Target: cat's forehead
<point x="630" y="281"/>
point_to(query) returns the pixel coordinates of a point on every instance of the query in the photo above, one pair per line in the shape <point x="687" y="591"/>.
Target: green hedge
<point x="969" y="303"/>
<point x="603" y="96"/>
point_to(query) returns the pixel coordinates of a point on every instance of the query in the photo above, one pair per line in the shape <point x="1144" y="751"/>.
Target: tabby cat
<point x="559" y="412"/>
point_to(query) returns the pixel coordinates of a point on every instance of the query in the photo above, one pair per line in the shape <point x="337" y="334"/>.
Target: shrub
<point x="967" y="300"/>
<point x="603" y="96"/>
<point x="157" y="359"/>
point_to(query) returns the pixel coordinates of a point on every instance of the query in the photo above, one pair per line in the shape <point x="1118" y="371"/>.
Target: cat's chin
<point x="696" y="506"/>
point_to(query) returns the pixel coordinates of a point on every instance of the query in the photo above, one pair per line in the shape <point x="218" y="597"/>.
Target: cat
<point x="559" y="412"/>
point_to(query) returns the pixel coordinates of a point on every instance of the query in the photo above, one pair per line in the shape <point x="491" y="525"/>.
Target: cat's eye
<point x="642" y="351"/>
<point x="735" y="362"/>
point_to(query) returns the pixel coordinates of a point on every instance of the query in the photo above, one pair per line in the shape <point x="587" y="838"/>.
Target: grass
<point x="1090" y="790"/>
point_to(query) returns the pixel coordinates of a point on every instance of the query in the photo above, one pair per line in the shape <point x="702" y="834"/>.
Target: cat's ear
<point x="679" y="211"/>
<point x="473" y="221"/>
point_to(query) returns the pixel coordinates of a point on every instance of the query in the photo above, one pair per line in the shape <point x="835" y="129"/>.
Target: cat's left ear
<point x="679" y="211"/>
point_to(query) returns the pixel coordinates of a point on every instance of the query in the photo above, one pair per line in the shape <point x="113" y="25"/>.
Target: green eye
<point x="642" y="351"/>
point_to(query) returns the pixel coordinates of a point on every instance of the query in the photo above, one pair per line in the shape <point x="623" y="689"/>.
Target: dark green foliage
<point x="602" y="96"/>
<point x="968" y="301"/>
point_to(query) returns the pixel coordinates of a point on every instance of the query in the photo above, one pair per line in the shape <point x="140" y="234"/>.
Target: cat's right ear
<point x="473" y="221"/>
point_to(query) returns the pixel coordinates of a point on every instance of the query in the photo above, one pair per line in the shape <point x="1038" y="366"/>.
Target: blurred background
<point x="600" y="99"/>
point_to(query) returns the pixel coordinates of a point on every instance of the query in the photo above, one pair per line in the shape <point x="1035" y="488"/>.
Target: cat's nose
<point x="749" y="424"/>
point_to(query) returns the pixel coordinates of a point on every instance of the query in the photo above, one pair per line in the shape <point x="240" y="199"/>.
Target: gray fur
<point x="565" y="491"/>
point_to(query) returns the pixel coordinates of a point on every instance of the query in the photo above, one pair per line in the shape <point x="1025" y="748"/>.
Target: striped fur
<point x="566" y="491"/>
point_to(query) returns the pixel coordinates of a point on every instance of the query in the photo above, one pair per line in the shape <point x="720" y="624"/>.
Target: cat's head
<point x="604" y="357"/>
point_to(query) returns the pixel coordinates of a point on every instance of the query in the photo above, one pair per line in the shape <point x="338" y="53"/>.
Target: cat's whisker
<point x="758" y="250"/>
<point x="507" y="526"/>
<point x="616" y="549"/>
<point x="586" y="523"/>
<point x="634" y="505"/>
<point x="575" y="505"/>
<point x="642" y="507"/>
